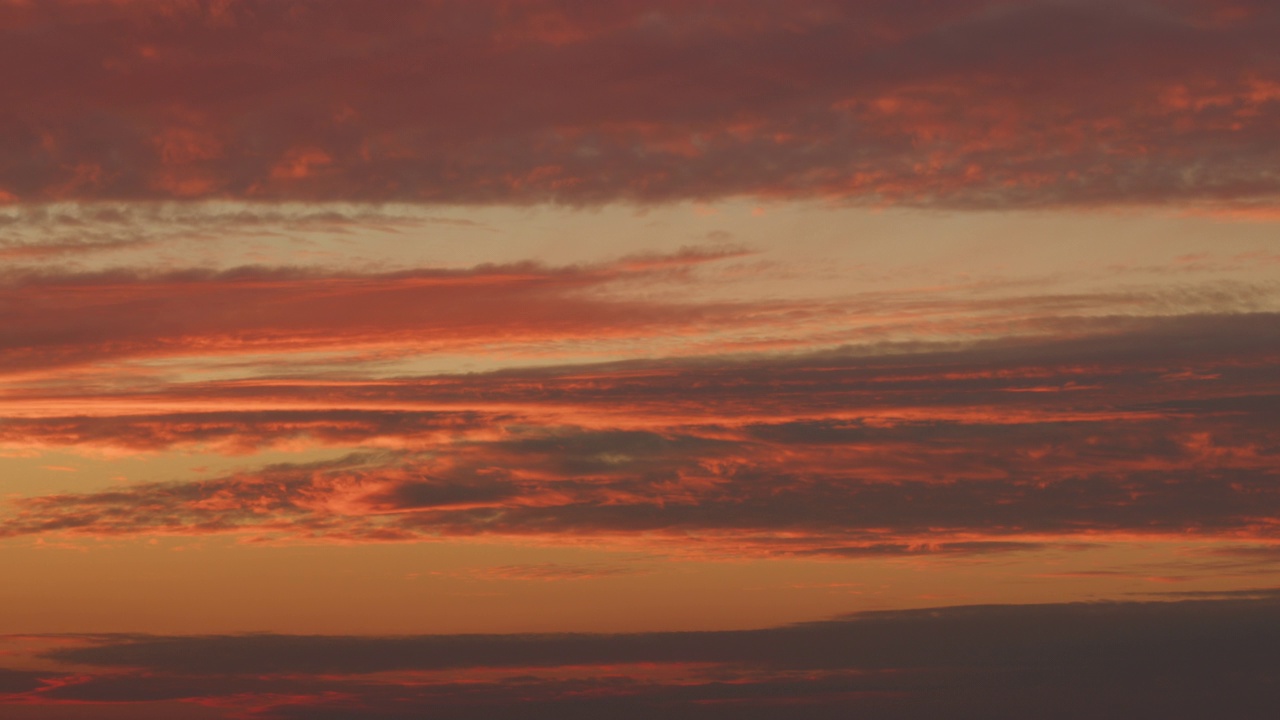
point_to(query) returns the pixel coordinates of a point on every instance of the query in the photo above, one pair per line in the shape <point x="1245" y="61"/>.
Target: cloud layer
<point x="631" y="440"/>
<point x="1180" y="660"/>
<point x="1165" y="429"/>
<point x="55" y="318"/>
<point x="964" y="104"/>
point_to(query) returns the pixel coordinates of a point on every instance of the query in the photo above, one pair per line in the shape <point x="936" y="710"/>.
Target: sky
<point x="702" y="359"/>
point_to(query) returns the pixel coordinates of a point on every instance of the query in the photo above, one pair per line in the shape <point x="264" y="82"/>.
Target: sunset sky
<point x="756" y="359"/>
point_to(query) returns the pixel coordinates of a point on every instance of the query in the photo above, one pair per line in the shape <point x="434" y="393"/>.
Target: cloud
<point x="1215" y="365"/>
<point x="18" y="681"/>
<point x="243" y="432"/>
<point x="871" y="640"/>
<point x="53" y="318"/>
<point x="963" y="104"/>
<point x="68" y="230"/>
<point x="274" y="316"/>
<point x="752" y="507"/>
<point x="1181" y="658"/>
<point x="996" y="447"/>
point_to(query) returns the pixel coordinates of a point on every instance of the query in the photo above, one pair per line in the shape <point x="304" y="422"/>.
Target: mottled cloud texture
<point x="964" y="103"/>
<point x="1163" y="428"/>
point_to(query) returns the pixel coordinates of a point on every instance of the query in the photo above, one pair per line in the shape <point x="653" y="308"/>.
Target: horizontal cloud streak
<point x="243" y="432"/>
<point x="1165" y="430"/>
<point x="752" y="507"/>
<point x="48" y="232"/>
<point x="53" y="318"/>
<point x="988" y="661"/>
<point x="879" y="640"/>
<point x="968" y="104"/>
<point x="50" y="319"/>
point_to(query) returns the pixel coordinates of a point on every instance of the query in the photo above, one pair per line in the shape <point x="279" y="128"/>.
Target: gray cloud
<point x="1180" y="659"/>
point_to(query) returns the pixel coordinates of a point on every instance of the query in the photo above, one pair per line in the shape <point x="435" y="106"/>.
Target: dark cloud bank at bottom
<point x="1202" y="658"/>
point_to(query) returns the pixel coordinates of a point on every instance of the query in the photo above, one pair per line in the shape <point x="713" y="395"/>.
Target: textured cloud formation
<point x="967" y="103"/>
<point x="1180" y="660"/>
<point x="1167" y="429"/>
<point x="58" y="318"/>
<point x="57" y="231"/>
<point x="244" y="432"/>
<point x="242" y="372"/>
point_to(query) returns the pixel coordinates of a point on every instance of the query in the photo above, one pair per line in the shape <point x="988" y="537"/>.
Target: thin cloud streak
<point x="70" y="231"/>
<point x="61" y="318"/>
<point x="57" y="319"/>
<point x="1166" y="431"/>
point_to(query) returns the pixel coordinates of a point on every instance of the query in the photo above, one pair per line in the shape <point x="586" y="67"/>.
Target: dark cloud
<point x="1248" y="594"/>
<point x="1181" y="659"/>
<point x="18" y="681"/>
<point x="994" y="635"/>
<point x="970" y="103"/>
<point x="746" y="498"/>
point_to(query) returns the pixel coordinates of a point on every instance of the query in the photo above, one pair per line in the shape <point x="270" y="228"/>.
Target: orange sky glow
<point x="539" y="358"/>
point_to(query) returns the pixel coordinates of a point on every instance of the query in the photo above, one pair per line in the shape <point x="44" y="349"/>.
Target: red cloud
<point x="823" y="454"/>
<point x="967" y="103"/>
<point x="53" y="319"/>
<point x="58" y="319"/>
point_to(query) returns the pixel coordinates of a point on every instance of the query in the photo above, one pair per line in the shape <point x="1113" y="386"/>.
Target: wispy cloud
<point x="35" y="232"/>
<point x="56" y="318"/>
<point x="655" y="303"/>
<point x="1164" y="430"/>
